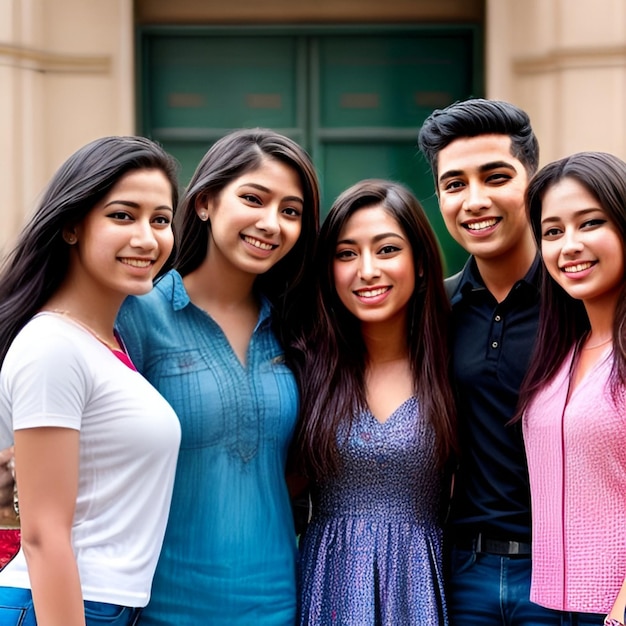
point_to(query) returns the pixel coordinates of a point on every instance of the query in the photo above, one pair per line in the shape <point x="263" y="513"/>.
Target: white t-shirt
<point x="57" y="374"/>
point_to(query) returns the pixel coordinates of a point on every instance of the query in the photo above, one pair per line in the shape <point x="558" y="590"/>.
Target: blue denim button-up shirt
<point x="229" y="550"/>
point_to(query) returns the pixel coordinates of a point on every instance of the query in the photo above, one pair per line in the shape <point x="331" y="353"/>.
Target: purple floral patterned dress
<point x="372" y="552"/>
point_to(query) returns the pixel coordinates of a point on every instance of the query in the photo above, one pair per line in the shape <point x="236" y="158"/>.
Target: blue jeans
<point x="490" y="590"/>
<point x="583" y="619"/>
<point x="16" y="609"/>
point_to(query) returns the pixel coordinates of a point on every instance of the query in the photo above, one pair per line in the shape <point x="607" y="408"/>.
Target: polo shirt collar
<point x="471" y="280"/>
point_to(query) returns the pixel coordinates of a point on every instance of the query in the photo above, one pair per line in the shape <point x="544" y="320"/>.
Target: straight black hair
<point x="331" y="370"/>
<point x="39" y="262"/>
<point x="563" y="321"/>
<point x="230" y="157"/>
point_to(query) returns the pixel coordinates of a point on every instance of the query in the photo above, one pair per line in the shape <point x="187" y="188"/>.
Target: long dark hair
<point x="331" y="370"/>
<point x="38" y="264"/>
<point x="229" y="158"/>
<point x="563" y="321"/>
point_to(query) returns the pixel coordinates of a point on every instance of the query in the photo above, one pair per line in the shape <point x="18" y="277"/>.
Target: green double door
<point x="354" y="98"/>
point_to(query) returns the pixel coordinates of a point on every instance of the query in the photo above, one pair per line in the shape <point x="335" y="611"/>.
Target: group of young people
<point x="158" y="388"/>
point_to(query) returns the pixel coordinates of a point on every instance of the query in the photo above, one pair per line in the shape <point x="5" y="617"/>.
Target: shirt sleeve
<point x="45" y="383"/>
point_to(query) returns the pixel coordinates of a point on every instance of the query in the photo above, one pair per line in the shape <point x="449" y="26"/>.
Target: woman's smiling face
<point x="256" y="220"/>
<point x="373" y="268"/>
<point x="581" y="247"/>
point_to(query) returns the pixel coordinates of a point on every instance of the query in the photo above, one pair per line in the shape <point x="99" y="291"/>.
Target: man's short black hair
<point x="474" y="117"/>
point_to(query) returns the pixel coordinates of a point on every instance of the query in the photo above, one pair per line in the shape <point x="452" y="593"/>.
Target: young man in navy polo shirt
<point x="482" y="154"/>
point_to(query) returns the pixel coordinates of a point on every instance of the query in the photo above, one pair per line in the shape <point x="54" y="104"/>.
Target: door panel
<point x="354" y="98"/>
<point x="390" y="81"/>
<point x="346" y="164"/>
<point x="188" y="154"/>
<point x="374" y="92"/>
<point x="223" y="82"/>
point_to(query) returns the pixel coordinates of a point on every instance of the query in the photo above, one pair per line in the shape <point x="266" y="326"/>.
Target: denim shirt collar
<point x="180" y="298"/>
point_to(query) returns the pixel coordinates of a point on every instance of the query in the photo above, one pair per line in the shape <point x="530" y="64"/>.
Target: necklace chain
<point x="86" y="327"/>
<point x="598" y="345"/>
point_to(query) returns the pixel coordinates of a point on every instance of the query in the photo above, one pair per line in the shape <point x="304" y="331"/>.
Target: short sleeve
<point x="44" y="382"/>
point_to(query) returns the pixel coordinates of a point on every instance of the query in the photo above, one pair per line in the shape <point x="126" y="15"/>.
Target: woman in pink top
<point x="574" y="396"/>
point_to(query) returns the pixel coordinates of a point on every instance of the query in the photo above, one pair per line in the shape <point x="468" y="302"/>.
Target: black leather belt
<point x="482" y="544"/>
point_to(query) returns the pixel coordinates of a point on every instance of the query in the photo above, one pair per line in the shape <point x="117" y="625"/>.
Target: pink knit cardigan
<point x="577" y="465"/>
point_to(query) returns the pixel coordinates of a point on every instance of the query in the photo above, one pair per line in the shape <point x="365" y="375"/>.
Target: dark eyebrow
<point x="266" y="190"/>
<point x="582" y="212"/>
<point x="485" y="167"/>
<point x="375" y="239"/>
<point x="134" y="205"/>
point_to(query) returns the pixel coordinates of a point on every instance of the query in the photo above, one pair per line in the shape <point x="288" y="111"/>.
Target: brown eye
<point x="389" y="249"/>
<point x="292" y="212"/>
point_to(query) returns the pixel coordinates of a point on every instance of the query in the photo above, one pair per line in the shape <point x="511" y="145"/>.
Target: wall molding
<point x="571" y="59"/>
<point x="48" y="62"/>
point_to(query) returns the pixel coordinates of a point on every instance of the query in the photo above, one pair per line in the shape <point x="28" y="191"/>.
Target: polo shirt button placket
<point x="495" y="343"/>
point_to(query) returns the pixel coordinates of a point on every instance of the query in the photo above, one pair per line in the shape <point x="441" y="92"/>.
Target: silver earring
<point x="70" y="238"/>
<point x="203" y="216"/>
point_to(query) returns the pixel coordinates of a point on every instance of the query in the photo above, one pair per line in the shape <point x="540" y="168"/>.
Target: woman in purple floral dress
<point x="377" y="416"/>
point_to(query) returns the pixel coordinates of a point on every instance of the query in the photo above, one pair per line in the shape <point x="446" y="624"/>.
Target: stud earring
<point x="203" y="216"/>
<point x="70" y="238"/>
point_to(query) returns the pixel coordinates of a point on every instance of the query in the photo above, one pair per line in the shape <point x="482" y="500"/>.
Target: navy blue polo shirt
<point x="491" y="349"/>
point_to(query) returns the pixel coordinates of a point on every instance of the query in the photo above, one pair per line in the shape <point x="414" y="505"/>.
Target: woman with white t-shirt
<point x="95" y="444"/>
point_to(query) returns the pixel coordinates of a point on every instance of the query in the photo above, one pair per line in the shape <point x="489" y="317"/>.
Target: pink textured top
<point x="577" y="465"/>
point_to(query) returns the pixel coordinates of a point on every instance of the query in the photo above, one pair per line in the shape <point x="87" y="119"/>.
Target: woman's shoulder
<point x="46" y="331"/>
<point x="49" y="341"/>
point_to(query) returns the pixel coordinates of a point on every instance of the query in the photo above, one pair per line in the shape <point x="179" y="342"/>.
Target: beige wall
<point x="564" y="61"/>
<point x="66" y="69"/>
<point x="66" y="77"/>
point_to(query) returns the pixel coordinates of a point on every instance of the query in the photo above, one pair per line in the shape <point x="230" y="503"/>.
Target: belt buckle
<point x="478" y="544"/>
<point x="505" y="548"/>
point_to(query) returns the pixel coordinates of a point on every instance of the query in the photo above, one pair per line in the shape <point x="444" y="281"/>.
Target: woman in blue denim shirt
<point x="209" y="337"/>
